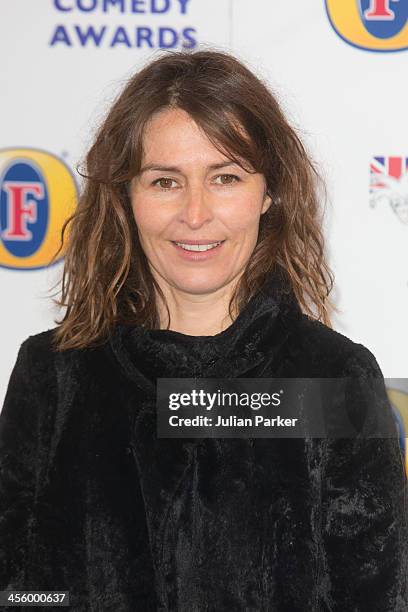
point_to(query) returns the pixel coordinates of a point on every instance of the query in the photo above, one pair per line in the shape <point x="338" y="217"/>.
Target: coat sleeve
<point x="18" y="428"/>
<point x="365" y="511"/>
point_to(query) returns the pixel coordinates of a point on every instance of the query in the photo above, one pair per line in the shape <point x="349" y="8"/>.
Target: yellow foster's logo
<point x="372" y="25"/>
<point x="37" y="194"/>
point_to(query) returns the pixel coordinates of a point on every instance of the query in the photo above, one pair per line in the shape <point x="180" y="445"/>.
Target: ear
<point x="267" y="201"/>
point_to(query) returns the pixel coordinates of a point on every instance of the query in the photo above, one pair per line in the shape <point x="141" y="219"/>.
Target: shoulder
<point x="33" y="364"/>
<point x="39" y="347"/>
<point x="31" y="379"/>
<point x="39" y="357"/>
<point x="325" y="347"/>
<point x="39" y="342"/>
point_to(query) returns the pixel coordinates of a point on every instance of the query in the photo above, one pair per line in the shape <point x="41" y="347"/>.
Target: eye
<point x="235" y="178"/>
<point x="163" y="178"/>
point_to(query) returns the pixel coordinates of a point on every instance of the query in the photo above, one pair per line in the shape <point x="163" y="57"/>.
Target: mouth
<point x="198" y="250"/>
<point x="198" y="246"/>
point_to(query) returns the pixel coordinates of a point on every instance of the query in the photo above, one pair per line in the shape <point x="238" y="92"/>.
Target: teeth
<point x="198" y="247"/>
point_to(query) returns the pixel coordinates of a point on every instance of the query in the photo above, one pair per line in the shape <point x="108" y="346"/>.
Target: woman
<point x="195" y="251"/>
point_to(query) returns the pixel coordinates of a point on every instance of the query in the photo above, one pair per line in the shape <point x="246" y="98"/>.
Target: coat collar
<point x="256" y="334"/>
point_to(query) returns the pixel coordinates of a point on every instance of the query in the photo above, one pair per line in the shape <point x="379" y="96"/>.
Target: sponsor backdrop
<point x="338" y="68"/>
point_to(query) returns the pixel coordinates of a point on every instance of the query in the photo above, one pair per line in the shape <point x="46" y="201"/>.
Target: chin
<point x="200" y="283"/>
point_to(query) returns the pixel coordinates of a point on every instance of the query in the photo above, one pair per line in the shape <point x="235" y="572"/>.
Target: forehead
<point x="172" y="136"/>
<point x="175" y="130"/>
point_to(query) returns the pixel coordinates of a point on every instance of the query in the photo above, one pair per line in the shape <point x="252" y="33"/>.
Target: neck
<point x="196" y="314"/>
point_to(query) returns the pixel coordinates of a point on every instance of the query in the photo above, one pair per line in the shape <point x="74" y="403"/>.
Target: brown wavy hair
<point x="106" y="277"/>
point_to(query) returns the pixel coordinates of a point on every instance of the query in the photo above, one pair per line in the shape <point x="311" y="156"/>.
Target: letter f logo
<point x="20" y="209"/>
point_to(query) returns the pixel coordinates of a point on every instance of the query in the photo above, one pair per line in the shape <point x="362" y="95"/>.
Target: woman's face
<point x="188" y="192"/>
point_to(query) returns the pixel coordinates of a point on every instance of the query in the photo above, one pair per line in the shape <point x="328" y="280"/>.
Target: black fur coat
<point x="93" y="502"/>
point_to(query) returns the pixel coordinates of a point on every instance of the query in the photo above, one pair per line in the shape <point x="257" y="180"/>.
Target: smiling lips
<point x="198" y="246"/>
<point x="197" y="250"/>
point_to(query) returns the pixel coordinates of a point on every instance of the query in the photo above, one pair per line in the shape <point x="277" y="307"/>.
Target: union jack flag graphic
<point x="389" y="184"/>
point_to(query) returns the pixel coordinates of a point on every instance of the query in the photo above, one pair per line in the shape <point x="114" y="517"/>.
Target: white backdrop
<point x="348" y="103"/>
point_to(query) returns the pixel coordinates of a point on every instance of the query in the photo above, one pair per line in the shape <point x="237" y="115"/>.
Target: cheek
<point x="150" y="219"/>
<point x="242" y="215"/>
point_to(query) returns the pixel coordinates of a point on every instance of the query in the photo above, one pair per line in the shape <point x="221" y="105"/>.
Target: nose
<point x="196" y="209"/>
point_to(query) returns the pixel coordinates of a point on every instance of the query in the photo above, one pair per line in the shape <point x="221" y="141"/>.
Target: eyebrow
<point x="177" y="169"/>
